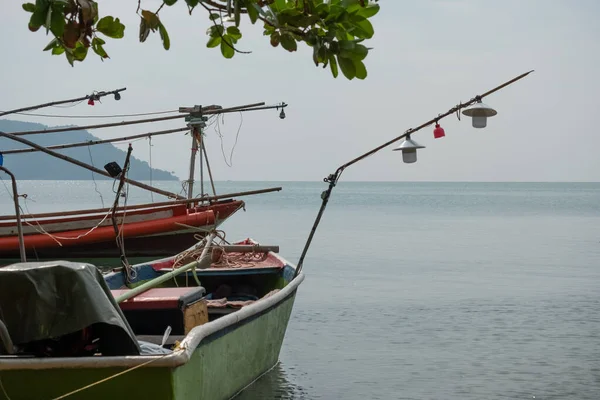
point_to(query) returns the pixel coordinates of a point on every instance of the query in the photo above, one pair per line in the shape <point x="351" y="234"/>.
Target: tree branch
<point x="221" y="34"/>
<point x="221" y="7"/>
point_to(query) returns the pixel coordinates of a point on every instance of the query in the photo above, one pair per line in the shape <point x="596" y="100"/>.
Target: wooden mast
<point x="196" y="121"/>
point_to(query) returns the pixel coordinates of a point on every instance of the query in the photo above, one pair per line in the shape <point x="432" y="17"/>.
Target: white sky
<point x="428" y="56"/>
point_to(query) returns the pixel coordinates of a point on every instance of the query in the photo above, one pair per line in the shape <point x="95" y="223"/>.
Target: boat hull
<point x="148" y="234"/>
<point x="215" y="360"/>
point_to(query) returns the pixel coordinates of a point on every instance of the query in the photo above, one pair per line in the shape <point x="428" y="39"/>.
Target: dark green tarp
<point x="43" y="300"/>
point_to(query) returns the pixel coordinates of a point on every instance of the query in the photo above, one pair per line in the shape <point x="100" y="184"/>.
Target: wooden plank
<point x="194" y="315"/>
<point x="249" y="248"/>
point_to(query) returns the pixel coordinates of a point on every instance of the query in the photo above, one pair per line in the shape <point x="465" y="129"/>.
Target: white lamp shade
<point x="479" y="122"/>
<point x="479" y="112"/>
<point x="409" y="150"/>
<point x="409" y="156"/>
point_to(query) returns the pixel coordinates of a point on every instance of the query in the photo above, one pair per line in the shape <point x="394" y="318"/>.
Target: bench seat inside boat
<point x="161" y="298"/>
<point x="151" y="312"/>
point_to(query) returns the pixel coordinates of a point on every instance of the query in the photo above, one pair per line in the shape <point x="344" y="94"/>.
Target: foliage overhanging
<point x="335" y="29"/>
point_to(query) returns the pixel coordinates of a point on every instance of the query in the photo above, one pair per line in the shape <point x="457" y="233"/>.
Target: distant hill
<point x="41" y="166"/>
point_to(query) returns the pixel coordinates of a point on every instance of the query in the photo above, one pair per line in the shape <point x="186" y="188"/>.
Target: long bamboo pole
<point x="141" y="121"/>
<point x="203" y="262"/>
<point x="95" y="96"/>
<point x="141" y="206"/>
<point x="95" y="142"/>
<point x="333" y="178"/>
<point x="87" y="166"/>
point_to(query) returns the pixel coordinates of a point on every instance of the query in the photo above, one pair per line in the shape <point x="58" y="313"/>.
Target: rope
<point x="93" y="176"/>
<point x="8" y="191"/>
<point x="226" y="260"/>
<point x="115" y="375"/>
<point x="4" y="390"/>
<point x="57" y="238"/>
<point x="217" y="130"/>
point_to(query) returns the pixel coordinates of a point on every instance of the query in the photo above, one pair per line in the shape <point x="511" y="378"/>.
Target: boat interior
<point x="149" y="323"/>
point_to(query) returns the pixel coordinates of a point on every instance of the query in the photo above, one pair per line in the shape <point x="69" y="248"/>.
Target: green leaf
<point x="368" y="11"/>
<point x="51" y="45"/>
<point x="275" y="39"/>
<point x="363" y="28"/>
<point x="58" y="50"/>
<point x="144" y="30"/>
<point x="353" y="51"/>
<point x="164" y="36"/>
<point x="214" y="41"/>
<point x="97" y="47"/>
<point x="70" y="58"/>
<point x="316" y="49"/>
<point x="170" y="2"/>
<point x="347" y="66"/>
<point x="252" y="13"/>
<point x="80" y="52"/>
<point x="111" y="27"/>
<point x="361" y="70"/>
<point x="236" y="12"/>
<point x="57" y="23"/>
<point x="216" y="30"/>
<point x="192" y="4"/>
<point x="48" y="19"/>
<point x="288" y="42"/>
<point x="227" y="46"/>
<point x="333" y="65"/>
<point x="234" y="32"/>
<point x="36" y="21"/>
<point x="29" y="7"/>
<point x="214" y="16"/>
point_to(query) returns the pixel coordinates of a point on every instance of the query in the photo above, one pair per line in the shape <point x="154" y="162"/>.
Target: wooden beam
<point x="87" y="166"/>
<point x="248" y="248"/>
<point x="95" y="142"/>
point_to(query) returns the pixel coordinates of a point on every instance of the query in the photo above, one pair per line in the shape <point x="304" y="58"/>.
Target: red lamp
<point x="438" y="131"/>
<point x="91" y="101"/>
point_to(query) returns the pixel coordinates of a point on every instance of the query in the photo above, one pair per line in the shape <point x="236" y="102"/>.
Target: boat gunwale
<point x="178" y="358"/>
<point x="129" y="209"/>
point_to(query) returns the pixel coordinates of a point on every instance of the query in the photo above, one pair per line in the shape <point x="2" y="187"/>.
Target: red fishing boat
<point x="148" y="230"/>
<point x="137" y="232"/>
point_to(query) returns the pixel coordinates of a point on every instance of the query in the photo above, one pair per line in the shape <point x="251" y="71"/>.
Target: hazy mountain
<point x="41" y="166"/>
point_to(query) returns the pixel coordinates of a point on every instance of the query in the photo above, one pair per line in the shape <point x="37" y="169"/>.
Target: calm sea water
<point x="422" y="290"/>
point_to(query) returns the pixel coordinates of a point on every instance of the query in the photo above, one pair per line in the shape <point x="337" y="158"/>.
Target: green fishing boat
<point x="208" y="329"/>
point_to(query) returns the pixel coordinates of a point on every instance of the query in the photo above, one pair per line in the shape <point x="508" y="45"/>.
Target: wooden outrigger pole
<point x="87" y="166"/>
<point x="95" y="142"/>
<point x="93" y="96"/>
<point x="247" y="107"/>
<point x="332" y="179"/>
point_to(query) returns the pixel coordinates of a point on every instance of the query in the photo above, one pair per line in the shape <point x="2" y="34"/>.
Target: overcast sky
<point x="428" y="55"/>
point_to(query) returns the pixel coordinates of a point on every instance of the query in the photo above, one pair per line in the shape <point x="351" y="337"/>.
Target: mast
<point x="196" y="121"/>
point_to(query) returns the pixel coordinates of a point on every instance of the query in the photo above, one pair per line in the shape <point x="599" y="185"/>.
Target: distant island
<point x="41" y="166"/>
